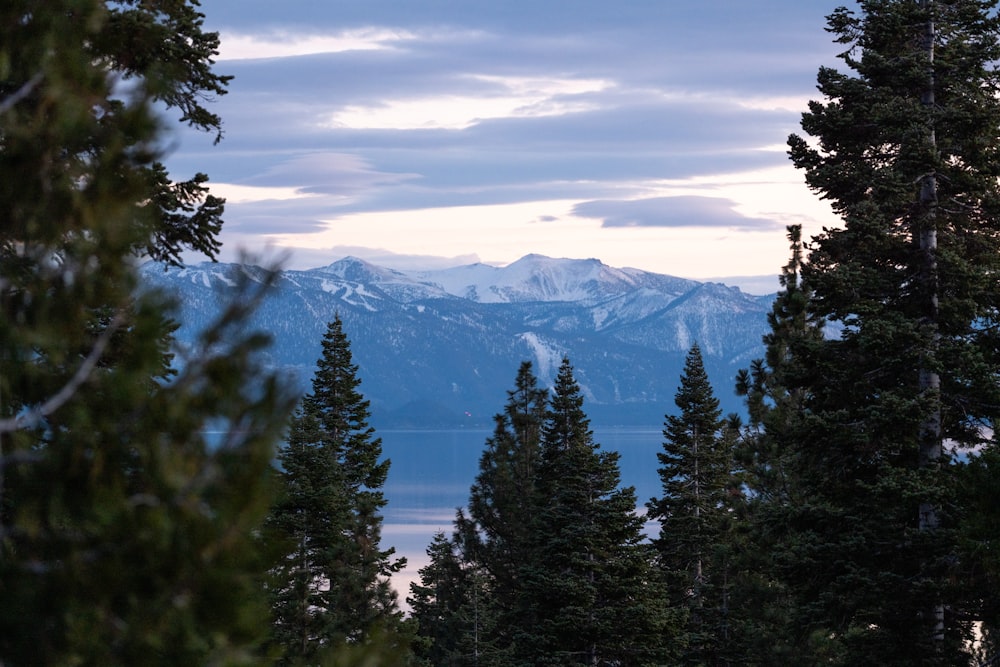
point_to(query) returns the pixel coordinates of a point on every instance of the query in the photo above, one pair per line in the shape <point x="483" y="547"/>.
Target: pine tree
<point x="166" y="51"/>
<point x="772" y="406"/>
<point x="502" y="502"/>
<point x="695" y="514"/>
<point x="331" y="586"/>
<point x="127" y="527"/>
<point x="590" y="595"/>
<point x="166" y="47"/>
<point x="446" y="605"/>
<point x="765" y="460"/>
<point x="979" y="498"/>
<point x="907" y="154"/>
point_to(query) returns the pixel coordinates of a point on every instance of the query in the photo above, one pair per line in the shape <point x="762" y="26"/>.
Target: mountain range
<point x="440" y="348"/>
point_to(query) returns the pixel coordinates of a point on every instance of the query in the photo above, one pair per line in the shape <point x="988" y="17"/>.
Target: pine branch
<point x="61" y="397"/>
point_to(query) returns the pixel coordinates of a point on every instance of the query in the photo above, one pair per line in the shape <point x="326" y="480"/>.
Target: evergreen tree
<point x="764" y="454"/>
<point x="165" y="51"/>
<point x="126" y="530"/>
<point x="446" y="607"/>
<point x="332" y="587"/>
<point x="979" y="498"/>
<point x="773" y="407"/>
<point x="695" y="514"/>
<point x="164" y="45"/>
<point x="590" y="595"/>
<point x="502" y="502"/>
<point x="907" y="153"/>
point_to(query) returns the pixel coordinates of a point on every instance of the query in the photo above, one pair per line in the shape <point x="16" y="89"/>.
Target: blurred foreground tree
<point x="130" y="493"/>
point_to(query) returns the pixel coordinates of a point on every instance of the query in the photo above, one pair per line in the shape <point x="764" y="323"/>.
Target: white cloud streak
<point x="287" y="44"/>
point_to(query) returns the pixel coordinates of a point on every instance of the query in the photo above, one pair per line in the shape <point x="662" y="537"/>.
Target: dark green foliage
<point x="167" y="58"/>
<point x="185" y="217"/>
<point x="503" y="500"/>
<point x="550" y="567"/>
<point x="590" y="592"/>
<point x="331" y="584"/>
<point x="878" y="140"/>
<point x="448" y="605"/>
<point x="129" y="494"/>
<point x="163" y="44"/>
<point x="773" y="406"/>
<point x="128" y="533"/>
<point x="495" y="539"/>
<point x="979" y="497"/>
<point x="768" y="626"/>
<point x="694" y="548"/>
<point x="865" y="533"/>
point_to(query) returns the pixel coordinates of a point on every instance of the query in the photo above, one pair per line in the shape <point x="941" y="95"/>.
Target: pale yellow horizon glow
<point x="502" y="233"/>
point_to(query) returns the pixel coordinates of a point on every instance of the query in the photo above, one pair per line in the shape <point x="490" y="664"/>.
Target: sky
<point x="644" y="133"/>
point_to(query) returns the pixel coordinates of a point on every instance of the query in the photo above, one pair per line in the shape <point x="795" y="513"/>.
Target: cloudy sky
<point x="645" y="133"/>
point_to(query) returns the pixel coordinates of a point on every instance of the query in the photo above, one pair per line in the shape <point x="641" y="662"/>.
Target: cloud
<point x="678" y="211"/>
<point x="489" y="96"/>
<point x="342" y="174"/>
<point x="285" y="43"/>
<point x="344" y="113"/>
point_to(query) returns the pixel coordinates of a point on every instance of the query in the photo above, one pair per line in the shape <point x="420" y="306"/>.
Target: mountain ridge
<point x="440" y="348"/>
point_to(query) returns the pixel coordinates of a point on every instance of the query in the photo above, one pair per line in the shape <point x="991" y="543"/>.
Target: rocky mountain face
<point x="441" y="348"/>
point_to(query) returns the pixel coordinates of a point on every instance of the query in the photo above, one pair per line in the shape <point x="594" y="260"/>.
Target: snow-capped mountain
<point x="442" y="347"/>
<point x="538" y="278"/>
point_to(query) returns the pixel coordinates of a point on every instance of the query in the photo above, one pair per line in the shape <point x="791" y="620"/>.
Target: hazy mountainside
<point x="441" y="348"/>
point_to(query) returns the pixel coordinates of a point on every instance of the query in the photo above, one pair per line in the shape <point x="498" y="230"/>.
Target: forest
<point x="165" y="506"/>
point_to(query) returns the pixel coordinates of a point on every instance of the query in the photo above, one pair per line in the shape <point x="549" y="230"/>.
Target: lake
<point x="432" y="471"/>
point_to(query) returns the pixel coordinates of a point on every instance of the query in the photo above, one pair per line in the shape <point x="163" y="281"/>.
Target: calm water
<point x="432" y="470"/>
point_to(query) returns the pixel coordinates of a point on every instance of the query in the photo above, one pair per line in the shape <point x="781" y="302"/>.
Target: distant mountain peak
<point x="351" y="267"/>
<point x="448" y="342"/>
<point x="532" y="278"/>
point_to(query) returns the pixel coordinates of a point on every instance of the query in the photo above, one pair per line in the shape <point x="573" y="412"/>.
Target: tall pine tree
<point x="695" y="515"/>
<point x="765" y="461"/>
<point x="907" y="153"/>
<point x="503" y="500"/>
<point x="773" y="407"/>
<point x="591" y="593"/>
<point x="331" y="585"/>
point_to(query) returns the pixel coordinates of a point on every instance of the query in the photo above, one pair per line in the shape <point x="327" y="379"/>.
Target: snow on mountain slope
<point x="395" y="284"/>
<point x="540" y="278"/>
<point x="434" y="347"/>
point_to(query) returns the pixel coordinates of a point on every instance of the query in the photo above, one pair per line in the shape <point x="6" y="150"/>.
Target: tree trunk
<point x="925" y="229"/>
